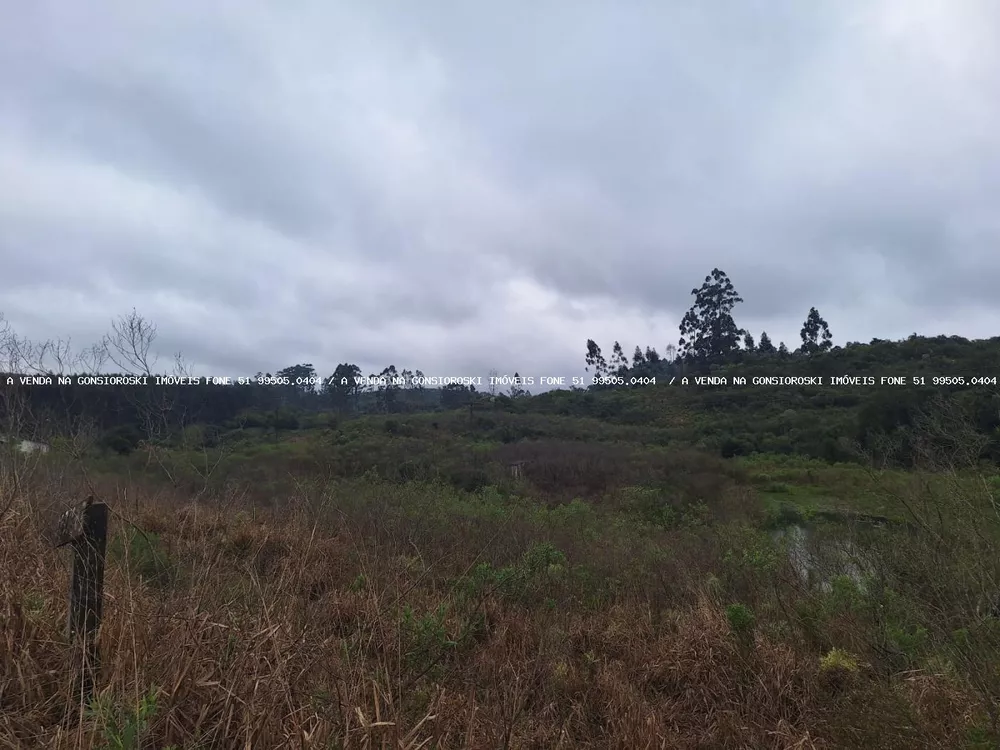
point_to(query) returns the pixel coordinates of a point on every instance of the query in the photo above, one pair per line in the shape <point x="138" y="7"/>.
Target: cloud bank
<point x="459" y="191"/>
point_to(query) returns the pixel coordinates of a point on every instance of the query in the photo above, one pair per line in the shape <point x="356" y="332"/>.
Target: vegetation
<point x="693" y="566"/>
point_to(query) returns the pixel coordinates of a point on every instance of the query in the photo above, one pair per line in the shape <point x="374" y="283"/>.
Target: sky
<point x="465" y="187"/>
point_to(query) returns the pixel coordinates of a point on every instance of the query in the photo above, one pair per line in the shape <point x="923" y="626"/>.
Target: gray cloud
<point x="459" y="188"/>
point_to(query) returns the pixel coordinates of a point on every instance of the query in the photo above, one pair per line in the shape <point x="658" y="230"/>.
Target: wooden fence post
<point x="86" y="528"/>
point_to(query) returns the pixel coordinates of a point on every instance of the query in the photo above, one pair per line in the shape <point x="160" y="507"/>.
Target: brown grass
<point x="288" y="628"/>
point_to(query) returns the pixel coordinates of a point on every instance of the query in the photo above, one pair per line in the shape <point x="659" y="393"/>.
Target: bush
<point x="837" y="670"/>
<point x="741" y="619"/>
<point x="122" y="440"/>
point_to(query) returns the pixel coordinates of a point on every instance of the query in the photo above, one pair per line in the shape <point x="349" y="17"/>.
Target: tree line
<point x="709" y="336"/>
<point x="127" y="414"/>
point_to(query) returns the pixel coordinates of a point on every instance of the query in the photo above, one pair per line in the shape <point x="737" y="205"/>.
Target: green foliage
<point x="981" y="738"/>
<point x="650" y="505"/>
<point x="144" y="555"/>
<point x="520" y="582"/>
<point x="811" y="618"/>
<point x="284" y="419"/>
<point x="845" y="595"/>
<point x="595" y="359"/>
<point x="838" y="669"/>
<point x="741" y="619"/>
<point x="708" y="332"/>
<point x="122" y="439"/>
<point x="577" y="516"/>
<point x="424" y="638"/>
<point x="824" y="422"/>
<point x="910" y="639"/>
<point x="123" y="728"/>
<point x="815" y="334"/>
<point x="611" y="482"/>
<point x="749" y="550"/>
<point x="902" y="624"/>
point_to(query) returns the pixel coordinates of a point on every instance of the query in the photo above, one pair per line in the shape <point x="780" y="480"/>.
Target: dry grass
<point x="298" y="629"/>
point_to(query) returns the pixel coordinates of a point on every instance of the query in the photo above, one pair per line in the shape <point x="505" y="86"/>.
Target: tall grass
<point x="367" y="613"/>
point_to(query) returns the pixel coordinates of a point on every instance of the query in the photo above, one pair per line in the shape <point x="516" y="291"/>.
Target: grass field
<point x="386" y="582"/>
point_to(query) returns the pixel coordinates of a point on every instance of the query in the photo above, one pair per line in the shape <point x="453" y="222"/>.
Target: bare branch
<point x="129" y="344"/>
<point x="93" y="359"/>
<point x="181" y="368"/>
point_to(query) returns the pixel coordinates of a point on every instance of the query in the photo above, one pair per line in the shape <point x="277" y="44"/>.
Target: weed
<point x="144" y="555"/>
<point x="123" y="728"/>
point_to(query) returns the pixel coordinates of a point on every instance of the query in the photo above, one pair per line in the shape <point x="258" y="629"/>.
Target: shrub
<point x="741" y="620"/>
<point x="837" y="670"/>
<point x="123" y="728"/>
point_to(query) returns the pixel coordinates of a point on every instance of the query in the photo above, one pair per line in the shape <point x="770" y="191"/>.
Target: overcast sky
<point x="463" y="186"/>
